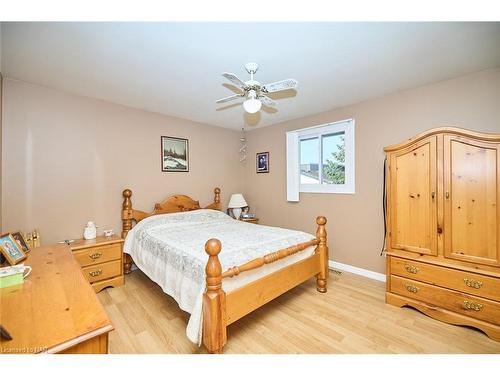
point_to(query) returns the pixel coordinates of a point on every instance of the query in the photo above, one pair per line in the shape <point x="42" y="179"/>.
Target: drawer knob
<point x="472" y="306"/>
<point x="411" y="288"/>
<point x="95" y="256"/>
<point x="411" y="269"/>
<point x="473" y="283"/>
<point x="95" y="273"/>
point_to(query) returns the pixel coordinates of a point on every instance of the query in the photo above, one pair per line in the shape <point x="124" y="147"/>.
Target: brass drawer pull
<point x="95" y="273"/>
<point x="472" y="306"/>
<point x="473" y="283"/>
<point x="411" y="288"/>
<point x="411" y="269"/>
<point x="95" y="256"/>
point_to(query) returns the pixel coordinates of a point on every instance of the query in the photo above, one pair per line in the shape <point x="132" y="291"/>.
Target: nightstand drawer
<point x="99" y="254"/>
<point x="103" y="271"/>
<point x="253" y="220"/>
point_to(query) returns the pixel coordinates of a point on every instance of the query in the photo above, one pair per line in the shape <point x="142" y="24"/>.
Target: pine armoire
<point x="443" y="226"/>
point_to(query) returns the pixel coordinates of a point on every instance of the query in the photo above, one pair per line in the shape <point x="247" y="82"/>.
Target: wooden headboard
<point x="174" y="203"/>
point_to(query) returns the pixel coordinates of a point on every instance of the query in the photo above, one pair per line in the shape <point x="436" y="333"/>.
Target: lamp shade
<point x="237" y="201"/>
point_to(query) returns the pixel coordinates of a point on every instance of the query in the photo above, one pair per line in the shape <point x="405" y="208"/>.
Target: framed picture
<point x="18" y="236"/>
<point x="11" y="250"/>
<point x="262" y="162"/>
<point x="174" y="154"/>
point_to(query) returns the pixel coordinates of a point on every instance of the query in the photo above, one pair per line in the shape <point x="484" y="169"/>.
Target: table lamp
<point x="236" y="203"/>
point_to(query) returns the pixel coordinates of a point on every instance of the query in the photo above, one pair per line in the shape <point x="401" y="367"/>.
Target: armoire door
<point x="413" y="198"/>
<point x="471" y="204"/>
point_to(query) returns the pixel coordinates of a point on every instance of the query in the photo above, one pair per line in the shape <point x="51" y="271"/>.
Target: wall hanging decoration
<point x="243" y="148"/>
<point x="174" y="154"/>
<point x="262" y="162"/>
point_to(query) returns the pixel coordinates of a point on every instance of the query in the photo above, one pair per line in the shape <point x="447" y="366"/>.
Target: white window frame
<point x="294" y="187"/>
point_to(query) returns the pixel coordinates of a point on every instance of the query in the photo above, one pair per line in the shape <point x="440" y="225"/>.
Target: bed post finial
<point x="126" y="212"/>
<point x="126" y="226"/>
<point x="214" y="301"/>
<point x="322" y="249"/>
<point x="217" y="197"/>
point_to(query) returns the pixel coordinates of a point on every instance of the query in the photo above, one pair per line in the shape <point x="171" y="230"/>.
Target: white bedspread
<point x="170" y="250"/>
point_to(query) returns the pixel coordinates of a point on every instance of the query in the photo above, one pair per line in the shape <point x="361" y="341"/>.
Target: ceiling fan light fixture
<point x="254" y="90"/>
<point x="252" y="105"/>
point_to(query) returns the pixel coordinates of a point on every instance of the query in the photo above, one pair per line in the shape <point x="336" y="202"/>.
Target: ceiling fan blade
<point x="235" y="80"/>
<point x="229" y="98"/>
<point x="285" y="84"/>
<point x="267" y="101"/>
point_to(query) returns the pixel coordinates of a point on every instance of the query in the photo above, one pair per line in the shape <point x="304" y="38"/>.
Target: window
<point x="320" y="159"/>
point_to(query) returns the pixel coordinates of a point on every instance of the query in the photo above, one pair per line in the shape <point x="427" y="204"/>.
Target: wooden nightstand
<point x="254" y="220"/>
<point x="101" y="260"/>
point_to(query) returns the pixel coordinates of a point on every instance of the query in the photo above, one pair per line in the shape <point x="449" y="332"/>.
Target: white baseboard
<point x="358" y="271"/>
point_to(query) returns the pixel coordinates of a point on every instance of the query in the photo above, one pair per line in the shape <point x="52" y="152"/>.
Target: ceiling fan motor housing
<point x="252" y="68"/>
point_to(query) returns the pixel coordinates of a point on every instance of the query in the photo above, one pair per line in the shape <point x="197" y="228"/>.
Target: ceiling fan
<point x="254" y="92"/>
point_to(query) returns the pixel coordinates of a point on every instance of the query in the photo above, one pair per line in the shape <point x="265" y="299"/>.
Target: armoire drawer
<point x="458" y="302"/>
<point x="468" y="282"/>
<point x="103" y="271"/>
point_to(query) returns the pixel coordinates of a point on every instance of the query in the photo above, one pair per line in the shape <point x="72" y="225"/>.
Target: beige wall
<point x="68" y="158"/>
<point x="355" y="222"/>
<point x="1" y="176"/>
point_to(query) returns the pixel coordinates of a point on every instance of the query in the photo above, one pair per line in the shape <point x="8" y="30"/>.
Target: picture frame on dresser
<point x="18" y="236"/>
<point x="174" y="154"/>
<point x="11" y="250"/>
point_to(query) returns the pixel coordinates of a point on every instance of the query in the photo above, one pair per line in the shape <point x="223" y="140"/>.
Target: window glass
<point x="309" y="161"/>
<point x="321" y="159"/>
<point x="333" y="158"/>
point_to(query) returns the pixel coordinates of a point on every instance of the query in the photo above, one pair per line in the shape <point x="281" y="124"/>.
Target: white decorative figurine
<point x="90" y="231"/>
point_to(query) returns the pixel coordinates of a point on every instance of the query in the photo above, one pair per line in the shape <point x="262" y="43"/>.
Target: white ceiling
<point x="175" y="68"/>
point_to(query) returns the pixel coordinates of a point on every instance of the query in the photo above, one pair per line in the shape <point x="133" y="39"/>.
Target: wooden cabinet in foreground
<point x="101" y="260"/>
<point x="55" y="310"/>
<point x="443" y="216"/>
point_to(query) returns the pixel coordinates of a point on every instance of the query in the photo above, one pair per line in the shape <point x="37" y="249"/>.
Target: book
<point x="10" y="276"/>
<point x="247" y="216"/>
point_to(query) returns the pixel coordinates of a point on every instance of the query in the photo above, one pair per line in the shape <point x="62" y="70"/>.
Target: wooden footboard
<point x="220" y="310"/>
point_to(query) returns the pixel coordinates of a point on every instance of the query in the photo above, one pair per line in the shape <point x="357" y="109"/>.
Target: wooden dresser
<point x="55" y="310"/>
<point x="101" y="260"/>
<point x="443" y="217"/>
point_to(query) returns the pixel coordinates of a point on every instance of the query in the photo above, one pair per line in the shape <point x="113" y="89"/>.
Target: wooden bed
<point x="220" y="308"/>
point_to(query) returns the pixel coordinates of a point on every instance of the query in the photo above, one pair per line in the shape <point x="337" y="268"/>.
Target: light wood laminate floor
<point x="351" y="318"/>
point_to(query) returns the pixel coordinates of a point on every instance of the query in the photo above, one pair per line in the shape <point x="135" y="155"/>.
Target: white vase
<point x="237" y="213"/>
<point x="90" y="231"/>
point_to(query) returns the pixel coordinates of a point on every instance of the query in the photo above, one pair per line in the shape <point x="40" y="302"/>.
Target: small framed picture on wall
<point x="262" y="162"/>
<point x="174" y="154"/>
